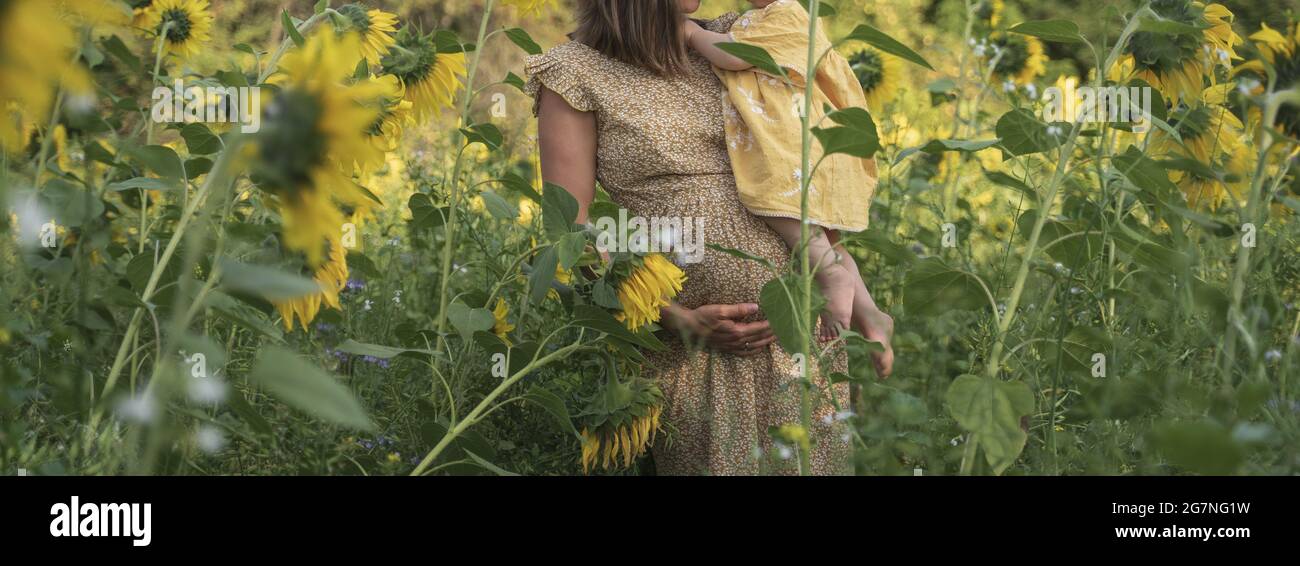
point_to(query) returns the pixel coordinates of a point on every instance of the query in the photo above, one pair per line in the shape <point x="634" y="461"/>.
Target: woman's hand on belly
<point x="721" y="327"/>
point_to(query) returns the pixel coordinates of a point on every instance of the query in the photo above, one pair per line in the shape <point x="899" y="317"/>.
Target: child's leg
<point x="834" y="279"/>
<point x="868" y="319"/>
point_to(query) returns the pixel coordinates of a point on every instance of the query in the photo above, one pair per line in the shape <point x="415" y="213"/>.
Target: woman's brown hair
<point x="647" y="33"/>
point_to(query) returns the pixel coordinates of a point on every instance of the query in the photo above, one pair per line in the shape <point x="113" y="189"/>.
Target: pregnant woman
<point x="627" y="104"/>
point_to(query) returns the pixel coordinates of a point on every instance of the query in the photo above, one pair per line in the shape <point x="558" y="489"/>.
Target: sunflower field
<point x="272" y="237"/>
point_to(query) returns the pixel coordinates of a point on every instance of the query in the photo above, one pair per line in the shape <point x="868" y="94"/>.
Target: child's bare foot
<point x="837" y="285"/>
<point x="876" y="326"/>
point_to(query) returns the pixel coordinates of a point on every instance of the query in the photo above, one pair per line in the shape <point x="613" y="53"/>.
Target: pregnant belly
<point x="711" y="201"/>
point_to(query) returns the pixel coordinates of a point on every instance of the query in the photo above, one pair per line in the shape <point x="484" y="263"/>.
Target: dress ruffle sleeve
<point x="560" y="70"/>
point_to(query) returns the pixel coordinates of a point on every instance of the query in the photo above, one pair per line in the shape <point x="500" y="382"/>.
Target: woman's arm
<point x="706" y="41"/>
<point x="567" y="140"/>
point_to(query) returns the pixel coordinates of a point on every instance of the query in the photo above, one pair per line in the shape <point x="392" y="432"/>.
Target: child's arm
<point x="706" y="41"/>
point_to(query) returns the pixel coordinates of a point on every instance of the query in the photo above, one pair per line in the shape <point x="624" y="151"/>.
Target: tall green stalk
<point x="805" y="262"/>
<point x="1044" y="207"/>
<point x="453" y="198"/>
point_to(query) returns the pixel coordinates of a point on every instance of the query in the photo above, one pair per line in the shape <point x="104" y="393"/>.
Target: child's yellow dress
<point x="763" y="125"/>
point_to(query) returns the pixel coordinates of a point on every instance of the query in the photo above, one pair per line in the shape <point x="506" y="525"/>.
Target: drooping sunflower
<point x="36" y="45"/>
<point x="431" y="78"/>
<point x="650" y="287"/>
<point x="529" y="7"/>
<point x="1281" y="49"/>
<point x="376" y="28"/>
<point x="501" y="325"/>
<point x="332" y="276"/>
<point x="879" y="74"/>
<point x="187" y="23"/>
<point x="620" y="423"/>
<point x="394" y="115"/>
<point x="1212" y="143"/>
<point x="1023" y="57"/>
<point x="1181" y="66"/>
<point x="312" y="131"/>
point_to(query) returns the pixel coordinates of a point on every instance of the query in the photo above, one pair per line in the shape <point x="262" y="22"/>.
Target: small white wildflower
<point x="1273" y="355"/>
<point x="1032" y="90"/>
<point x="1075" y="290"/>
<point x="141" y="409"/>
<point x="1055" y="131"/>
<point x="784" y="452"/>
<point x="207" y="390"/>
<point x="1009" y="86"/>
<point x="955" y="440"/>
<point x="210" y="439"/>
<point x="397" y="297"/>
<point x="366" y="305"/>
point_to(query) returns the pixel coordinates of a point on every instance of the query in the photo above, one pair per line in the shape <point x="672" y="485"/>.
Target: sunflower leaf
<point x="287" y="22"/>
<point x="521" y="38"/>
<point x="552" y="404"/>
<point x="539" y="281"/>
<point x="932" y="287"/>
<point x="486" y="134"/>
<point x="309" y="388"/>
<point x="467" y="320"/>
<point x="559" y="211"/>
<point x="267" y="282"/>
<point x="881" y="40"/>
<point x="992" y="409"/>
<point x="781" y="300"/>
<point x="514" y="81"/>
<point x="754" y="55"/>
<point x="1059" y="31"/>
<point x="1022" y="133"/>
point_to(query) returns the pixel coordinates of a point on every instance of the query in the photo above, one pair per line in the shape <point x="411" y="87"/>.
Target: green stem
<point x="478" y="412"/>
<point x="453" y="198"/>
<point x="1044" y="208"/>
<point x="134" y="326"/>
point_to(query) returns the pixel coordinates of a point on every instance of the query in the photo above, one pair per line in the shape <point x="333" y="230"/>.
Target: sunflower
<point x="563" y="277"/>
<point x="140" y="12"/>
<point x="188" y="24"/>
<point x="1211" y="136"/>
<point x="1180" y="65"/>
<point x="529" y="7"/>
<point x="36" y="45"/>
<point x="1023" y="58"/>
<point x="650" y="287"/>
<point x="332" y="276"/>
<point x="1001" y="227"/>
<point x="376" y="28"/>
<point x="620" y="423"/>
<point x="430" y="77"/>
<point x="62" y="157"/>
<point x="313" y="130"/>
<point x="879" y="74"/>
<point x="501" y="325"/>
<point x="388" y="100"/>
<point x="1281" y="49"/>
<point x="990" y="12"/>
